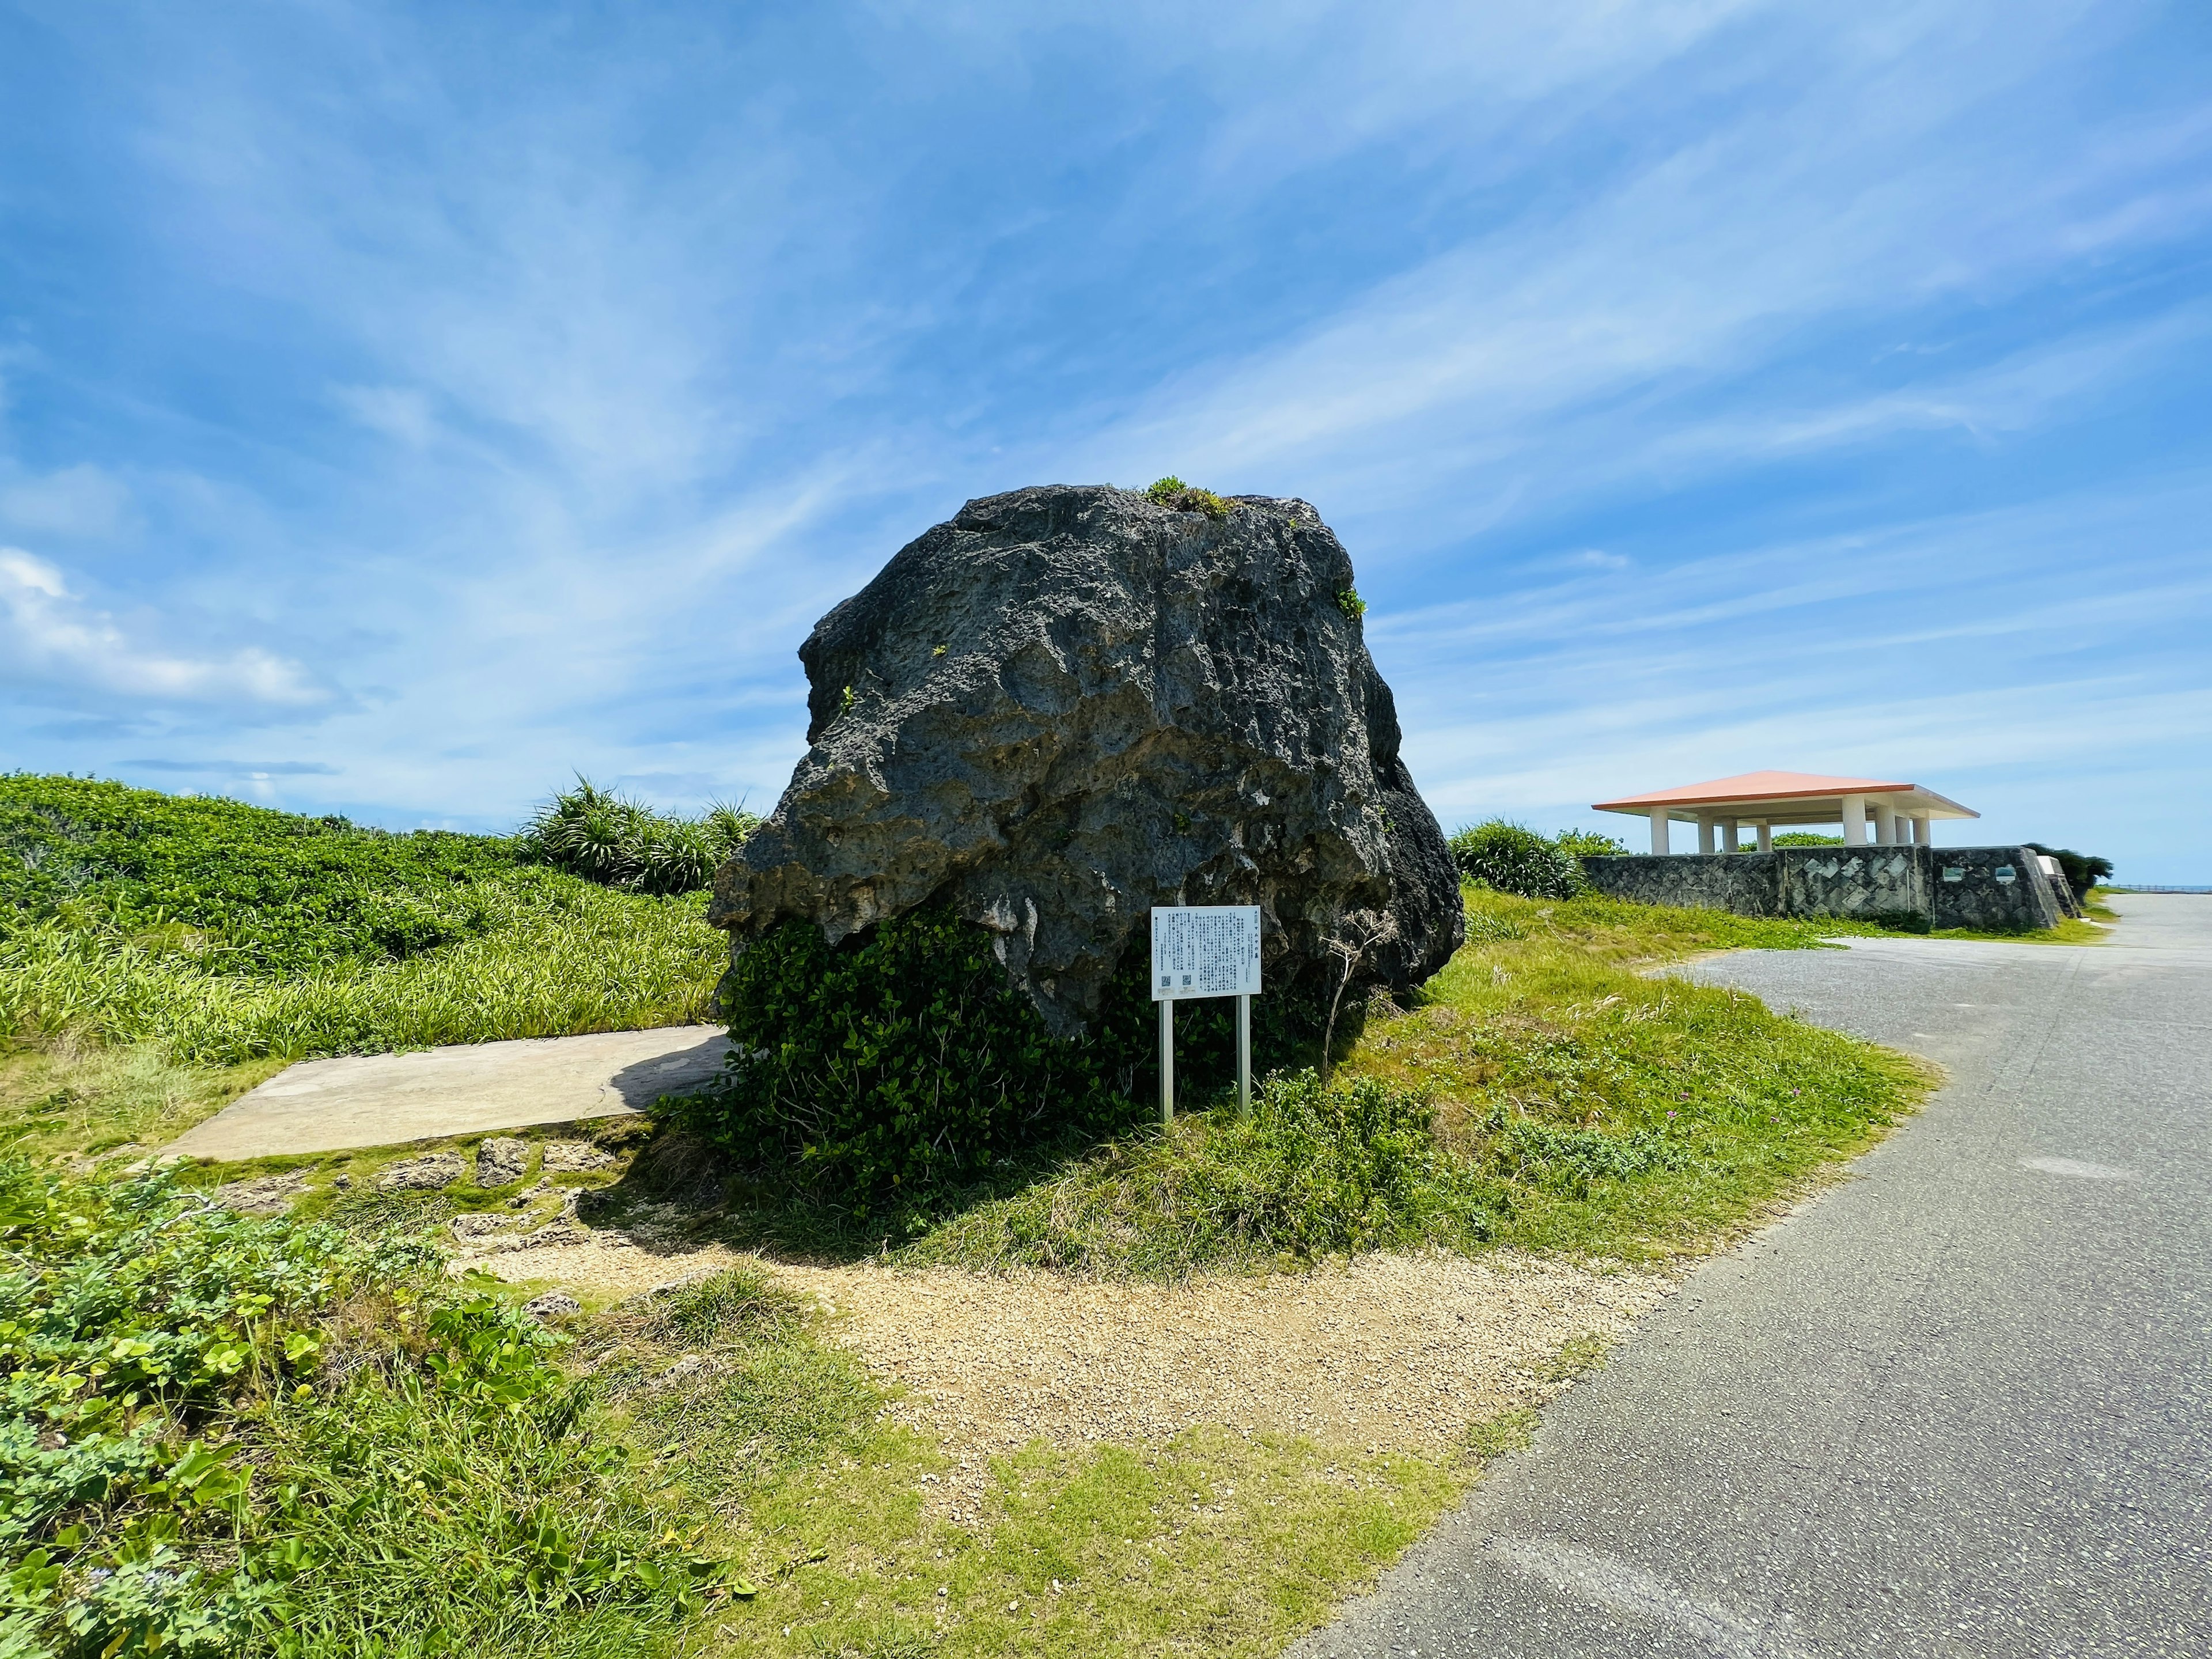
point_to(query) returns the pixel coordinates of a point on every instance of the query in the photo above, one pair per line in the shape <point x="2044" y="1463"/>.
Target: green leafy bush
<point x="1512" y="859"/>
<point x="1806" y="838"/>
<point x="202" y="1454"/>
<point x="902" y="1058"/>
<point x="619" y="842"/>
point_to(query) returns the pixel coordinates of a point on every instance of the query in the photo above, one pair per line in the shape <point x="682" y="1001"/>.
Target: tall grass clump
<point x="611" y="839"/>
<point x="1511" y="858"/>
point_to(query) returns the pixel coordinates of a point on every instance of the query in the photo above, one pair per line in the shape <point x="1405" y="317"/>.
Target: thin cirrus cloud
<point x="54" y="640"/>
<point x="1699" y="386"/>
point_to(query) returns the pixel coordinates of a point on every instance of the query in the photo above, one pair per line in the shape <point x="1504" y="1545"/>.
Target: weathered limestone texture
<point x="1996" y="888"/>
<point x="1070" y="704"/>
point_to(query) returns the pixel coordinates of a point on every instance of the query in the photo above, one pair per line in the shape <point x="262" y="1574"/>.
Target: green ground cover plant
<point x="229" y="933"/>
<point x="223" y="1436"/>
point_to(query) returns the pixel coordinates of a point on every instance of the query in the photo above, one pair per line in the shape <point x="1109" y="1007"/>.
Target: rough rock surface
<point x="574" y="1157"/>
<point x="1070" y="704"/>
<point x="501" y="1159"/>
<point x="426" y="1174"/>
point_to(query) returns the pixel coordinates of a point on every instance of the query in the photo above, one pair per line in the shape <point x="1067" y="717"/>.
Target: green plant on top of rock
<point x="1511" y="858"/>
<point x="1172" y="491"/>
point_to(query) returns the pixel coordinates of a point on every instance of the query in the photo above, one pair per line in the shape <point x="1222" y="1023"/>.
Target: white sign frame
<point x="1205" y="951"/>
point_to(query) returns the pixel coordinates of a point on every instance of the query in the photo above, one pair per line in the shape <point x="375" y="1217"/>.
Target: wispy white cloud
<point x="58" y="645"/>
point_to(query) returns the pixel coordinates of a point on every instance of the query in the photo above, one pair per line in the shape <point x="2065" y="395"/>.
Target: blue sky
<point x="403" y="407"/>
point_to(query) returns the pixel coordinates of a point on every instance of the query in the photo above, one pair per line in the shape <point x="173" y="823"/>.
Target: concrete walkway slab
<point x="387" y="1100"/>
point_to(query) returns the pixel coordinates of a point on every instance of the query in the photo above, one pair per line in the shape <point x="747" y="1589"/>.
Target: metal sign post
<point x="1205" y="951"/>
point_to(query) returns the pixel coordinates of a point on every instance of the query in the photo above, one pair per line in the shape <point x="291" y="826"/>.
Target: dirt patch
<point x="1398" y="1352"/>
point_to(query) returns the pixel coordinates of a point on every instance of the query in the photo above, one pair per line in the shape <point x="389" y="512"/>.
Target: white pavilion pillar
<point x="1705" y="833"/>
<point x="1765" y="837"/>
<point x="1659" y="829"/>
<point x="1923" y="828"/>
<point x="1885" y="824"/>
<point x="1728" y="836"/>
<point x="1855" y="820"/>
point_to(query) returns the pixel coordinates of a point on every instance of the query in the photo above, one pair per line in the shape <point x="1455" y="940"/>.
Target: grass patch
<point x="71" y="1096"/>
<point x="229" y="933"/>
<point x="2070" y="930"/>
<point x="560" y="957"/>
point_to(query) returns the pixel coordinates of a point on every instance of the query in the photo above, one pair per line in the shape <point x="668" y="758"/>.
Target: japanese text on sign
<point x="1205" y="951"/>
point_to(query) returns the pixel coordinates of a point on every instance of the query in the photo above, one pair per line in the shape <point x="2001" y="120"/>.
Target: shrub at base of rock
<point x="900" y="1058"/>
<point x="1061" y="708"/>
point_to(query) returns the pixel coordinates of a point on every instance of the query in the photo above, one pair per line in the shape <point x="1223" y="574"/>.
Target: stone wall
<point x="1993" y="888"/>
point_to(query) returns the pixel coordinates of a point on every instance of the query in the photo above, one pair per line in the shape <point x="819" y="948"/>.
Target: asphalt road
<point x="1960" y="1404"/>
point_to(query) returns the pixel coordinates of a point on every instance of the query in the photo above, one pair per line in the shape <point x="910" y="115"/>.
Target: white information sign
<point x="1205" y="951"/>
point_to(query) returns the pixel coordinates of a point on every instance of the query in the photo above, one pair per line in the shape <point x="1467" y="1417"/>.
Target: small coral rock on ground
<point x="573" y="1158"/>
<point x="554" y="1305"/>
<point x="427" y="1173"/>
<point x="501" y="1160"/>
<point x="263" y="1195"/>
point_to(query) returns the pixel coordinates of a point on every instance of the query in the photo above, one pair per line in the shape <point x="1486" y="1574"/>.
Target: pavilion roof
<point x="1809" y="795"/>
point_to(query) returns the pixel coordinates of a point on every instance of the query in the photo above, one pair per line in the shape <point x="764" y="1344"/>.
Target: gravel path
<point x="1961" y="1406"/>
<point x="1400" y="1352"/>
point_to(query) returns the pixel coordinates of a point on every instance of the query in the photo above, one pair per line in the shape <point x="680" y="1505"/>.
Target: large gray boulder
<point x="1070" y="704"/>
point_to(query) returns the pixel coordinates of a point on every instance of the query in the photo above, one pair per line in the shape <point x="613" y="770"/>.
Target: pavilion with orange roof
<point x="1897" y="814"/>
